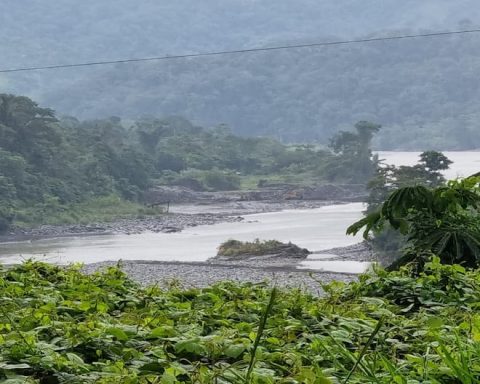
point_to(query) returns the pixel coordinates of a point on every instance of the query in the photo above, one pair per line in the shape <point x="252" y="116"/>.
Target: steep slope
<point x="421" y="90"/>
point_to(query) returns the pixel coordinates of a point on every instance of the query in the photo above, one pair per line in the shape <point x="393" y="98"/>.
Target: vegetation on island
<point x="233" y="248"/>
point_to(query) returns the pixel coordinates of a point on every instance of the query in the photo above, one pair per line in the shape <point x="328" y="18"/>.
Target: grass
<point x="61" y="326"/>
<point x="300" y="178"/>
<point x="95" y="210"/>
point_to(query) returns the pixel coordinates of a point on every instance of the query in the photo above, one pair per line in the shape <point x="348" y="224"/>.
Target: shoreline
<point x="283" y="271"/>
<point x="271" y="269"/>
<point x="168" y="275"/>
<point x="181" y="217"/>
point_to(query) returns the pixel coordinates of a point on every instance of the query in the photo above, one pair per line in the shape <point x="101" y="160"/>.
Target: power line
<point x="240" y="51"/>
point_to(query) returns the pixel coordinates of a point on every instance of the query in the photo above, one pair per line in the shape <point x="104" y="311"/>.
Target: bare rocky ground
<point x="362" y="252"/>
<point x="280" y="271"/>
<point x="198" y="275"/>
<point x="181" y="216"/>
<point x="166" y="223"/>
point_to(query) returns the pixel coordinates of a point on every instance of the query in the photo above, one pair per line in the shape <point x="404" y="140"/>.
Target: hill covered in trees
<point x="424" y="91"/>
<point x="48" y="166"/>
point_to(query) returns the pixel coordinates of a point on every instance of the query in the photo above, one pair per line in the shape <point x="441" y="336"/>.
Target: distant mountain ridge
<point x="424" y="92"/>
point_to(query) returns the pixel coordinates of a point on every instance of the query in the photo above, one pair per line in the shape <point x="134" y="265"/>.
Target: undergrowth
<point x="58" y="325"/>
<point x="94" y="210"/>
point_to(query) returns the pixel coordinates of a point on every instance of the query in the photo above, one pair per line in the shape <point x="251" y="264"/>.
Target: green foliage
<point x="213" y="180"/>
<point x="93" y="210"/>
<point x="425" y="172"/>
<point x="434" y="161"/>
<point x="443" y="221"/>
<point x="256" y="247"/>
<point x="387" y="178"/>
<point x="49" y="166"/>
<point x="388" y="243"/>
<point x="221" y="181"/>
<point x="6" y="218"/>
<point x="355" y="160"/>
<point x="48" y="169"/>
<point x="58" y="325"/>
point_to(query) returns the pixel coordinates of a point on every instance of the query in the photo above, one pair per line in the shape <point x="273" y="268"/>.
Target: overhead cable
<point x="239" y="51"/>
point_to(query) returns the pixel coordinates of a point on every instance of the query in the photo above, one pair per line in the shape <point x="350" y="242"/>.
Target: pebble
<point x="199" y="276"/>
<point x="276" y="270"/>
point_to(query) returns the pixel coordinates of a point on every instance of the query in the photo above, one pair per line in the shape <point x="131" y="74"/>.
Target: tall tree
<point x="355" y="157"/>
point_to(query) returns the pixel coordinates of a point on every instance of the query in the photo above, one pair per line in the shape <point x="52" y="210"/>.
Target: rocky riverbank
<point x="190" y="275"/>
<point x="279" y="192"/>
<point x="166" y="223"/>
<point x="181" y="216"/>
<point x="281" y="268"/>
<point x="278" y="270"/>
<point x="189" y="208"/>
<point x="361" y="252"/>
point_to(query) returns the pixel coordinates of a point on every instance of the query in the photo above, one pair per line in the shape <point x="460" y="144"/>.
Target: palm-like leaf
<point x="444" y="220"/>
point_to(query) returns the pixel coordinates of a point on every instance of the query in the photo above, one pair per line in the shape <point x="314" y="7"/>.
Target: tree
<point x="355" y="158"/>
<point x="444" y="221"/>
<point x="389" y="177"/>
<point x="434" y="161"/>
<point x="29" y="130"/>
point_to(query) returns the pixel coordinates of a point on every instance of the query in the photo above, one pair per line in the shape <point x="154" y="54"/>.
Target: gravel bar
<point x="200" y="275"/>
<point x="280" y="271"/>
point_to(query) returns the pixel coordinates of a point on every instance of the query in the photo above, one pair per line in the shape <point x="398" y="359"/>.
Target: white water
<point x="315" y="229"/>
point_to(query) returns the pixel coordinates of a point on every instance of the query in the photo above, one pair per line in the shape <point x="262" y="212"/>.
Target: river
<point x="316" y="229"/>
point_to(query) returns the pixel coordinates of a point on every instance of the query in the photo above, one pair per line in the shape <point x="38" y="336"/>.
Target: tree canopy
<point x="48" y="163"/>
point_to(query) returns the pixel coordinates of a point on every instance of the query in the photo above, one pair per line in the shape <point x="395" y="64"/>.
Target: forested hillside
<point x="50" y="166"/>
<point x="424" y="91"/>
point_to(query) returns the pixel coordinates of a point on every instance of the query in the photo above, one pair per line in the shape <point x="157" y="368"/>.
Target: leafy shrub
<point x="438" y="285"/>
<point x="6" y="218"/>
<point x="256" y="247"/>
<point x="221" y="181"/>
<point x="58" y="325"/>
<point x="189" y="182"/>
<point x="444" y="221"/>
<point x="214" y="180"/>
